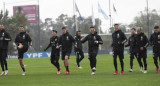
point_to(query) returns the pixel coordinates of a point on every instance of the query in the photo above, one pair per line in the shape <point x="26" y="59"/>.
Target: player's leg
<point x="55" y="62"/>
<point x="5" y="61"/>
<point x="145" y="62"/>
<point x="90" y="57"/>
<point x="121" y="57"/>
<point x="94" y="59"/>
<point x="131" y="62"/>
<point x="139" y="57"/>
<point x="77" y="58"/>
<point x="138" y="60"/>
<point x="2" y="62"/>
<point x="57" y="55"/>
<point x="115" y="62"/>
<point x="82" y="55"/>
<point x="20" y="58"/>
<point x="66" y="64"/>
<point x="155" y="57"/>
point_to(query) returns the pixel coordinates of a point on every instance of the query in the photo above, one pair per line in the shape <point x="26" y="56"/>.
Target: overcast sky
<point x="126" y="9"/>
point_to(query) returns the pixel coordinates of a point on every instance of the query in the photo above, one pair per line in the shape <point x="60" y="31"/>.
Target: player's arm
<point x="83" y="40"/>
<point x="59" y="45"/>
<point x="16" y="41"/>
<point x="99" y="40"/>
<point x="124" y="38"/>
<point x="146" y="41"/>
<point x="29" y="40"/>
<point x="128" y="42"/>
<point x="7" y="37"/>
<point x="151" y="41"/>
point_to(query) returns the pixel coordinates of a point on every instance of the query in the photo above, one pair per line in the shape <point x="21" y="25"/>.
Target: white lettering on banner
<point x="35" y="55"/>
<point x="39" y="55"/>
<point x="48" y="54"/>
<point x="29" y="55"/>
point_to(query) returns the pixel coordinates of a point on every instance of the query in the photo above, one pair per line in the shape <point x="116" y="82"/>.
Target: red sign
<point x="30" y="11"/>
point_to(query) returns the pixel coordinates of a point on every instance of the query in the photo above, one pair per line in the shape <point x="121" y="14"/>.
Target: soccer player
<point x="155" y="42"/>
<point x="4" y="40"/>
<point x="55" y="53"/>
<point x="78" y="49"/>
<point x="23" y="42"/>
<point x="93" y="43"/>
<point x="142" y="44"/>
<point x="132" y="42"/>
<point x="66" y="41"/>
<point x="118" y="40"/>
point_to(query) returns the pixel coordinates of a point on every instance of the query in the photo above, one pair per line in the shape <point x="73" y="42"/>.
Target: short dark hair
<point x="63" y="27"/>
<point x="21" y="26"/>
<point x="116" y="24"/>
<point x="78" y="31"/>
<point x="133" y="29"/>
<point x="156" y="27"/>
<point x="54" y="31"/>
<point x="92" y="27"/>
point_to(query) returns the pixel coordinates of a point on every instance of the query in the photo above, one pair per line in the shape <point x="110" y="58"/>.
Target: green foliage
<point x="141" y="20"/>
<point x="11" y="25"/>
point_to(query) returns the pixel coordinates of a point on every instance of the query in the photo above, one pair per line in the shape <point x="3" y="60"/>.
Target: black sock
<point x="115" y="64"/>
<point x="122" y="65"/>
<point x="2" y="65"/>
<point x="23" y="69"/>
<point x="5" y="63"/>
<point x="67" y="69"/>
<point x="77" y="59"/>
<point x="58" y="66"/>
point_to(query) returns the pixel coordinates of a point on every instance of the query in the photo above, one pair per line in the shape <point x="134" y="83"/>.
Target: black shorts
<point x="65" y="53"/>
<point x="133" y="54"/>
<point x="156" y="55"/>
<point x="55" y="55"/>
<point x="118" y="53"/>
<point x="3" y="54"/>
<point x="92" y="53"/>
<point x="142" y="54"/>
<point x="22" y="51"/>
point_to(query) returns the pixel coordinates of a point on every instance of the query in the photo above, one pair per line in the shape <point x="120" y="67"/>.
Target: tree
<point x="141" y="20"/>
<point x="11" y="25"/>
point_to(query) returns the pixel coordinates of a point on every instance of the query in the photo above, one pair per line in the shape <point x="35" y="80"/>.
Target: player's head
<point x="64" y="30"/>
<point x="78" y="33"/>
<point x="21" y="28"/>
<point x="133" y="31"/>
<point x="116" y="27"/>
<point x="156" y="29"/>
<point x="92" y="30"/>
<point x="54" y="33"/>
<point x="139" y="30"/>
<point x="1" y="26"/>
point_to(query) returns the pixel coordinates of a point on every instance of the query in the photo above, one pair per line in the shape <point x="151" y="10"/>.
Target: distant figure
<point x="142" y="42"/>
<point x="78" y="49"/>
<point x="4" y="40"/>
<point x="23" y="42"/>
<point x="55" y="53"/>
<point x="155" y="43"/>
<point x="118" y="40"/>
<point x="93" y="43"/>
<point x="132" y="42"/>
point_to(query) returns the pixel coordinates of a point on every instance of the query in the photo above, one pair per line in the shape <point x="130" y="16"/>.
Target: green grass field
<point x="40" y="72"/>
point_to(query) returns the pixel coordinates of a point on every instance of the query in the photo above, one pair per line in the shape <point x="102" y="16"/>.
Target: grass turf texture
<point x="40" y="72"/>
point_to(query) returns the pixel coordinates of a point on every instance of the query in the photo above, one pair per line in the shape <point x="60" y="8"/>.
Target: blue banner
<point x="37" y="54"/>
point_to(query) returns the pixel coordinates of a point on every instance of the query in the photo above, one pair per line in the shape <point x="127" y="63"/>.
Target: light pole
<point x="148" y="19"/>
<point x="38" y="26"/>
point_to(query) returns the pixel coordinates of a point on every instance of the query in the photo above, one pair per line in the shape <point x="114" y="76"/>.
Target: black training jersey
<point x="23" y="38"/>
